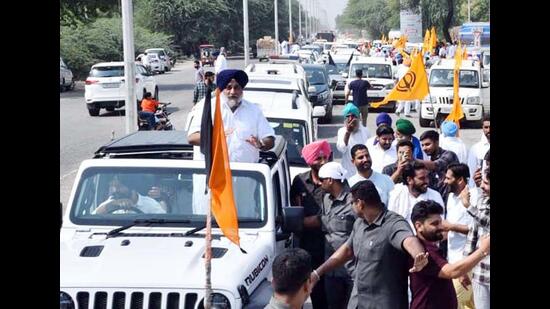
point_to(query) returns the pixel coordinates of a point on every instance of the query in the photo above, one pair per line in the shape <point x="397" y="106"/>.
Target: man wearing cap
<point x="306" y="191"/>
<point x="247" y="130"/>
<point x="363" y="162"/>
<point x="405" y="130"/>
<point x="382" y="119"/>
<point x="379" y="244"/>
<point x="453" y="143"/>
<point x="351" y="134"/>
<point x="360" y="98"/>
<point x="336" y="221"/>
<point x="383" y="152"/>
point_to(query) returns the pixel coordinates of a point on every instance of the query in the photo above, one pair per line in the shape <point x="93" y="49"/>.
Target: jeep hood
<point x="161" y="262"/>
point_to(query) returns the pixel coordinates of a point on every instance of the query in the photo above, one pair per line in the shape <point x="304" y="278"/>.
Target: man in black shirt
<point x="360" y="98"/>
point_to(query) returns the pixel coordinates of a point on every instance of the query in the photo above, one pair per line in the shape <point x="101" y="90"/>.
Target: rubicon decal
<point x="254" y="274"/>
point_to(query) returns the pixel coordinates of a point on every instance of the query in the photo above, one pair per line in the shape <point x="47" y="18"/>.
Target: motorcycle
<point x="161" y="114"/>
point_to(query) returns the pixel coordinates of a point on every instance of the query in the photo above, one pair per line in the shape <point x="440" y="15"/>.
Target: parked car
<point x="105" y="86"/>
<point x="66" y="81"/>
<point x="153" y="63"/>
<point x="163" y="55"/>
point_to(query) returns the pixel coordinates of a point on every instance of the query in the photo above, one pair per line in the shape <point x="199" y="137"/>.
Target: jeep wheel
<point x="93" y="111"/>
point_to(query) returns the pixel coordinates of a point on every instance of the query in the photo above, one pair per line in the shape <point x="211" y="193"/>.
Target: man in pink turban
<point x="306" y="191"/>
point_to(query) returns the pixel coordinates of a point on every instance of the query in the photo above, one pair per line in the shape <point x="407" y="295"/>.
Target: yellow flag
<point x="433" y="39"/>
<point x="413" y="86"/>
<point x="456" y="111"/>
<point x="426" y="44"/>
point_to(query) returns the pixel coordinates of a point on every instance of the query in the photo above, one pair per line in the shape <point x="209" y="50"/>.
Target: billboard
<point x="411" y="25"/>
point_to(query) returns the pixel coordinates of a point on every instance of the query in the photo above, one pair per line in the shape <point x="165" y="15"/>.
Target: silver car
<point x="66" y="81"/>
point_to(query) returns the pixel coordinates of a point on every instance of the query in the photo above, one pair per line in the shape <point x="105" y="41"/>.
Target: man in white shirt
<point x="453" y="143"/>
<point x="383" y="152"/>
<point x="351" y="134"/>
<point x="123" y="199"/>
<point x="451" y="51"/>
<point x="221" y="63"/>
<point x="458" y="222"/>
<point x="363" y="162"/>
<point x="402" y="70"/>
<point x="479" y="149"/>
<point x="247" y="130"/>
<point x="414" y="188"/>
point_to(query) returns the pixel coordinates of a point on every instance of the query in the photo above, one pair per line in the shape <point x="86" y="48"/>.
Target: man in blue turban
<point x="246" y="128"/>
<point x="450" y="141"/>
<point x="351" y="134"/>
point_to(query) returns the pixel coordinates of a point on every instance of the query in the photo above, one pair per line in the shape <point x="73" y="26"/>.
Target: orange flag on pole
<point x="426" y="43"/>
<point x="413" y="86"/>
<point x="456" y="111"/>
<point x="220" y="181"/>
<point x="433" y="39"/>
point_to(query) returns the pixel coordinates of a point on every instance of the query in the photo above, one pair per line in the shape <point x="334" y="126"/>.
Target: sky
<point x="333" y="8"/>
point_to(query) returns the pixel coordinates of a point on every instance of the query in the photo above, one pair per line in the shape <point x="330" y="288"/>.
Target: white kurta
<point x="455" y="145"/>
<point x="383" y="183"/>
<point x="476" y="156"/>
<point x="380" y="157"/>
<point x="358" y="137"/>
<point x="220" y="64"/>
<point x="457" y="214"/>
<point x="402" y="201"/>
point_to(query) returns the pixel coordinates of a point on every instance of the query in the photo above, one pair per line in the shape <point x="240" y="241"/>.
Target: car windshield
<point x="119" y="195"/>
<point x="372" y="70"/>
<point x="341" y="67"/>
<point x="107" y="71"/>
<point x="315" y="76"/>
<point x="296" y="137"/>
<point x="444" y="78"/>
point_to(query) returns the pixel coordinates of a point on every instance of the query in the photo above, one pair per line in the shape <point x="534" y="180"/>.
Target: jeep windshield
<point x="122" y="195"/>
<point x="295" y="134"/>
<point x="341" y="67"/>
<point x="372" y="70"/>
<point x="444" y="78"/>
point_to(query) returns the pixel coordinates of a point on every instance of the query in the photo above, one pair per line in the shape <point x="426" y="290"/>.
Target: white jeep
<point x="129" y="257"/>
<point x="437" y="105"/>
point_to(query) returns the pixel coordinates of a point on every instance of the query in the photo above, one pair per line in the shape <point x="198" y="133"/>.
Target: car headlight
<point x="473" y="100"/>
<point x="323" y="96"/>
<point x="219" y="301"/>
<point x="65" y="301"/>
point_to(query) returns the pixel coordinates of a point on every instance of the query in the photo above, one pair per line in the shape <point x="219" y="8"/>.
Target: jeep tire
<point x="93" y="110"/>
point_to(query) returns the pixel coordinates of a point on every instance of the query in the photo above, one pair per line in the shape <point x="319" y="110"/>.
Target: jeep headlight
<point x="323" y="96"/>
<point x="473" y="100"/>
<point x="219" y="301"/>
<point x="65" y="301"/>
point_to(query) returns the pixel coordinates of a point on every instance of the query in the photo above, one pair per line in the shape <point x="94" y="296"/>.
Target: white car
<point x="105" y="86"/>
<point x="153" y="63"/>
<point x="163" y="55"/>
<point x="438" y="104"/>
<point x="278" y="70"/>
<point x="379" y="72"/>
<point x="144" y="257"/>
<point x="66" y="81"/>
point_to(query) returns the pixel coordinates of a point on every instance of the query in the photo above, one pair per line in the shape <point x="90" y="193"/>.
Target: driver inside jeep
<point x="123" y="200"/>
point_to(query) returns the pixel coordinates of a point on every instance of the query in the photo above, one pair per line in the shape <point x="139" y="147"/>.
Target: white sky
<point x="333" y="8"/>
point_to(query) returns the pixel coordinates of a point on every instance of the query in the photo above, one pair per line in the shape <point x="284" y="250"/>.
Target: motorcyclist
<point x="149" y="107"/>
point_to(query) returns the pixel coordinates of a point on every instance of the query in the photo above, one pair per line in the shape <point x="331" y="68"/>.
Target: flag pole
<point x="208" y="254"/>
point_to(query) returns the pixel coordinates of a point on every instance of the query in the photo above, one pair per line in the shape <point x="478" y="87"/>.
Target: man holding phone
<point x="404" y="156"/>
<point x="351" y="134"/>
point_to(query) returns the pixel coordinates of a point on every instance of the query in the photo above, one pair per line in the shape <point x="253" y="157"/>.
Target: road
<point x="81" y="135"/>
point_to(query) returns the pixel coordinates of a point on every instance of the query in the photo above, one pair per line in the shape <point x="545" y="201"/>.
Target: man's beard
<point x="421" y="188"/>
<point x="435" y="236"/>
<point x="385" y="146"/>
<point x="232" y="102"/>
<point x="364" y="167"/>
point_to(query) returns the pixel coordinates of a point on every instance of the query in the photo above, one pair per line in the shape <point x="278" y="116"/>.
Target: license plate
<point x="111" y="85"/>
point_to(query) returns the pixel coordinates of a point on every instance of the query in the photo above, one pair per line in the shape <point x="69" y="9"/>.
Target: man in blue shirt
<point x="360" y="99"/>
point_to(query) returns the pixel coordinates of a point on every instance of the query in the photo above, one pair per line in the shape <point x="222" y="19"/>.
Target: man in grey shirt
<point x="380" y="242"/>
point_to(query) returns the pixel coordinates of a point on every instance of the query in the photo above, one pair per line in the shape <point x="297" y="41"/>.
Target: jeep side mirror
<point x="484" y="84"/>
<point x="293" y="219"/>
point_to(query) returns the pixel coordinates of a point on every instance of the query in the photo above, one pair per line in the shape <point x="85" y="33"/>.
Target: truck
<point x="266" y="47"/>
<point x="328" y="35"/>
<point x="129" y="256"/>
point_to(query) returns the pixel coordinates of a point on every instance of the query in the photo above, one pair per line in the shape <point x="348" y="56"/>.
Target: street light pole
<point x="129" y="65"/>
<point x="299" y="19"/>
<point x="276" y="29"/>
<point x="469" y="20"/>
<point x="289" y="21"/>
<point x="245" y="30"/>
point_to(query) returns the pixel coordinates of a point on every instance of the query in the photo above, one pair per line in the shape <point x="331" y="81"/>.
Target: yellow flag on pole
<point x="413" y="86"/>
<point x="456" y="111"/>
<point x="433" y="39"/>
<point x="426" y="43"/>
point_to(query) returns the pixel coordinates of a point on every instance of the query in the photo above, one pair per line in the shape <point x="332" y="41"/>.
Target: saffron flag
<point x="456" y="111"/>
<point x="426" y="43"/>
<point x="413" y="86"/>
<point x="218" y="172"/>
<point x="433" y="39"/>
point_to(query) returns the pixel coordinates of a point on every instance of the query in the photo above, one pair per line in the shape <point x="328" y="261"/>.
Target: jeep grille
<point x="136" y="300"/>
<point x="447" y="100"/>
